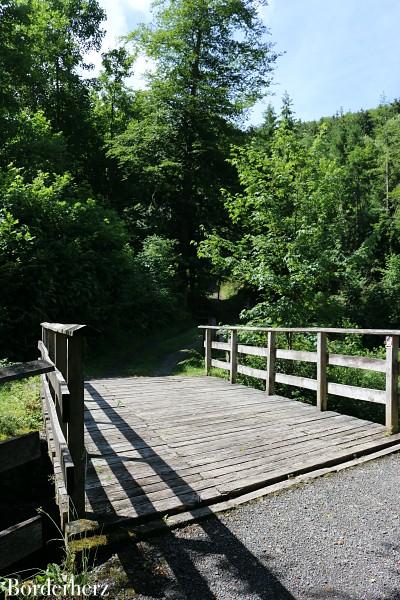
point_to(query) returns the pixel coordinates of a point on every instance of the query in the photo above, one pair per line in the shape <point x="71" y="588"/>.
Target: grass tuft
<point x="20" y="407"/>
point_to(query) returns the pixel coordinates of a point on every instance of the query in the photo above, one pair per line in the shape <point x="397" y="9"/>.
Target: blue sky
<point x="338" y="53"/>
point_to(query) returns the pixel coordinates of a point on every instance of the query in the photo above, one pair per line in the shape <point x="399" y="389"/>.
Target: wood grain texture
<point x="22" y="370"/>
<point x="20" y="541"/>
<point x="322" y="362"/>
<point x="233" y="360"/>
<point x="19" y="450"/>
<point x="381" y="332"/>
<point x="357" y="362"/>
<point x="392" y="383"/>
<point x="165" y="445"/>
<point x="72" y="329"/>
<point x="271" y="361"/>
<point x="60" y="443"/>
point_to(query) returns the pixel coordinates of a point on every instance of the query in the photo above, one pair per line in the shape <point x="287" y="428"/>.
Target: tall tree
<point x="42" y="49"/>
<point x="212" y="61"/>
<point x="288" y="221"/>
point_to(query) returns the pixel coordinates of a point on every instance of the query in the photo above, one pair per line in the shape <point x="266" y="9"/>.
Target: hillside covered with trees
<point x="121" y="208"/>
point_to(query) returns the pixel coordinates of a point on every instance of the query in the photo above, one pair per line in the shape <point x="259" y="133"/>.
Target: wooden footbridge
<point x="143" y="447"/>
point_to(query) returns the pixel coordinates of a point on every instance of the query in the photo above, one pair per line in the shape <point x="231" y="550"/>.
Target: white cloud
<point x="122" y="16"/>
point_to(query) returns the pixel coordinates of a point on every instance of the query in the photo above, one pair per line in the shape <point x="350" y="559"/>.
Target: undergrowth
<point x="20" y="408"/>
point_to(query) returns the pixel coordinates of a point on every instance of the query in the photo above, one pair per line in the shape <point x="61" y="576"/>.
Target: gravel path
<point x="335" y="538"/>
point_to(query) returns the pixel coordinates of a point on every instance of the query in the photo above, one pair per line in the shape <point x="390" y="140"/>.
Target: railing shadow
<point x="254" y="576"/>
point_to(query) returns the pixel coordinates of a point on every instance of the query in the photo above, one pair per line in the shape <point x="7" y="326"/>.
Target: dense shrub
<point x="66" y="258"/>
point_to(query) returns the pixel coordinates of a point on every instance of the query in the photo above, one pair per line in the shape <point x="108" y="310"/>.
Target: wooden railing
<point x="63" y="409"/>
<point x="389" y="366"/>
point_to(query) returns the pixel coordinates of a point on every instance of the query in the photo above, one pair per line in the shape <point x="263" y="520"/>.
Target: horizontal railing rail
<point x="63" y="410"/>
<point x="22" y="370"/>
<point x="322" y="358"/>
<point x="301" y="329"/>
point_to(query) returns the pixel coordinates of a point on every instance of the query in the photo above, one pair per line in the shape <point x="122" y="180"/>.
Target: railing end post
<point x="233" y="356"/>
<point x="322" y="362"/>
<point x="207" y="353"/>
<point x="271" y="360"/>
<point x="392" y="377"/>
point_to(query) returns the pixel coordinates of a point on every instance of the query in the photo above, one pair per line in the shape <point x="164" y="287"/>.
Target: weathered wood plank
<point x="233" y="360"/>
<point x="253" y="350"/>
<point x="322" y="361"/>
<point x="357" y="362"/>
<point x="271" y="363"/>
<point x="59" y="387"/>
<point x="295" y="380"/>
<point x="76" y="443"/>
<point x="20" y="541"/>
<point x="22" y="370"/>
<point x="220" y="345"/>
<point x="60" y="443"/>
<point x="300" y="355"/>
<point x="208" y="351"/>
<point x="392" y="384"/>
<point x="220" y="364"/>
<point x="188" y="442"/>
<point x="357" y="393"/>
<point x="66" y="329"/>
<point x="345" y="331"/>
<point x="251" y="372"/>
<point x="19" y="450"/>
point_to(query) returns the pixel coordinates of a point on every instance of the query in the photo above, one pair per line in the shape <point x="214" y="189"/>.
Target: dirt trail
<point x="170" y="362"/>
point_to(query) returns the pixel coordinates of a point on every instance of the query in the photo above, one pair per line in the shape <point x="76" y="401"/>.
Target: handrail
<point x="62" y="393"/>
<point x="70" y="329"/>
<point x="24" y="370"/>
<point x="382" y="332"/>
<point x="322" y="358"/>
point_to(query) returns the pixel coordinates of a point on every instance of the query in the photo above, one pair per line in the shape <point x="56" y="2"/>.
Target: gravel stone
<point x="336" y="538"/>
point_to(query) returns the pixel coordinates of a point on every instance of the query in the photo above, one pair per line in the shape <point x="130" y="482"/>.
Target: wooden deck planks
<point x="168" y="444"/>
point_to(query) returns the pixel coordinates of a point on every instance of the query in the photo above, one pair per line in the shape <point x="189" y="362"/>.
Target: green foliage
<point x="33" y="145"/>
<point x="211" y="63"/>
<point x="287" y="247"/>
<point x="113" y="101"/>
<point x="314" y="230"/>
<point x="65" y="258"/>
<point x="20" y="408"/>
<point x="119" y="207"/>
<point x="42" y="46"/>
<point x="143" y="353"/>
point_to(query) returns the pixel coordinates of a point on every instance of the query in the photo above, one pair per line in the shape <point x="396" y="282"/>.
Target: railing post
<point x="392" y="376"/>
<point x="51" y="344"/>
<point x="61" y="362"/>
<point x="271" y="359"/>
<point x="76" y="423"/>
<point x="322" y="361"/>
<point x="208" y="349"/>
<point x="233" y="356"/>
<point x="45" y="337"/>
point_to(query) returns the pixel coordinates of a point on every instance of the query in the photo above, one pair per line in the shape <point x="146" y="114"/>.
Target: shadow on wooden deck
<point x="160" y="446"/>
<point x="256" y="577"/>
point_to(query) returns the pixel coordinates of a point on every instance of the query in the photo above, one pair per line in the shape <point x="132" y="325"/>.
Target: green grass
<point x="20" y="407"/>
<point x="193" y="366"/>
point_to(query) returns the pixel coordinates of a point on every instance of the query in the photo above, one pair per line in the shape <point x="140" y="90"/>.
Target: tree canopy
<point x="122" y="208"/>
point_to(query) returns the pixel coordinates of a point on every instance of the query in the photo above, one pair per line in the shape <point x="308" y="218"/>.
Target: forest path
<point x="172" y="360"/>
